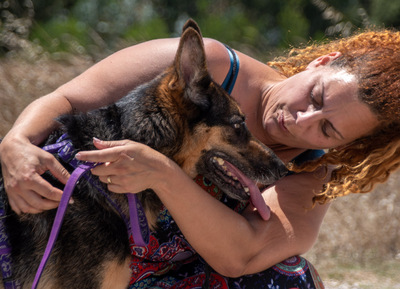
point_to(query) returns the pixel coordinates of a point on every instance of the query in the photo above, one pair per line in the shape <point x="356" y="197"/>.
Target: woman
<point x="342" y="96"/>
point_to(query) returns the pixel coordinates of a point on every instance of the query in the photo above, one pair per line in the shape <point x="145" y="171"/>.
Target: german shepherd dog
<point x="183" y="114"/>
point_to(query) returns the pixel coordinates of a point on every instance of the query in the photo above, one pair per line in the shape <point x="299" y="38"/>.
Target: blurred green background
<point x="97" y="27"/>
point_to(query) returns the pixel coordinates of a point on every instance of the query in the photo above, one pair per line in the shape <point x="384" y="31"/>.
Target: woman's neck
<point x="286" y="154"/>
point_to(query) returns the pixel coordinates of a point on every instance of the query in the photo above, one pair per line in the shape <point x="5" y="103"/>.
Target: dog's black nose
<point x="281" y="170"/>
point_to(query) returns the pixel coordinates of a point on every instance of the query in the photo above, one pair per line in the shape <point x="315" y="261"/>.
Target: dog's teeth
<point x="229" y="174"/>
<point x="235" y="178"/>
<point x="246" y="189"/>
<point x="220" y="161"/>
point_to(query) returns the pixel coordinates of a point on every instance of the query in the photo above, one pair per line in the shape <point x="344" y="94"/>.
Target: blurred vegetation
<point x="97" y="27"/>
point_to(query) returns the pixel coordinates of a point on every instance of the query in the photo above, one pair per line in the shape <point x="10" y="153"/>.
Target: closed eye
<point x="326" y="126"/>
<point x="317" y="95"/>
<point x="317" y="103"/>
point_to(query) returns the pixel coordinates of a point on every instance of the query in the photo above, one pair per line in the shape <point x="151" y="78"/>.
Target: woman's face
<point x="318" y="108"/>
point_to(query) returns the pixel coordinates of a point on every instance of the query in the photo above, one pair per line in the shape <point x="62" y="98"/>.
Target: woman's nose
<point x="308" y="117"/>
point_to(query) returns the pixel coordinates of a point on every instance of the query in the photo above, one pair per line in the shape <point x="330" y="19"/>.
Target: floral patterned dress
<point x="170" y="262"/>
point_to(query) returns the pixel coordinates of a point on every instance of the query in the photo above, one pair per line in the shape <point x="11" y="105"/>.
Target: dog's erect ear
<point x="191" y="23"/>
<point x="191" y="67"/>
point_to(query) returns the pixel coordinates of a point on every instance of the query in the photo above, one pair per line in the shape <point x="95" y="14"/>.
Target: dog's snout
<point x="279" y="169"/>
<point x="282" y="171"/>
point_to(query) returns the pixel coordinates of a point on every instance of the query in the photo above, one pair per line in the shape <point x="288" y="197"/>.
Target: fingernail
<point x="78" y="156"/>
<point x="96" y="139"/>
<point x="71" y="201"/>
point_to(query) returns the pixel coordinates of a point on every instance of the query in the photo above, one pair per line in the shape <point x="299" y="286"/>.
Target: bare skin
<point x="293" y="226"/>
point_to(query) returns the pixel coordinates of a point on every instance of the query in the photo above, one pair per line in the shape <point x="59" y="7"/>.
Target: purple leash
<point x="69" y="188"/>
<point x="138" y="223"/>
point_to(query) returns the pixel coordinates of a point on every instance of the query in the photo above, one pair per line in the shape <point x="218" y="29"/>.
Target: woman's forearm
<point x="215" y="231"/>
<point x="23" y="162"/>
<point x="238" y="244"/>
<point x="38" y="119"/>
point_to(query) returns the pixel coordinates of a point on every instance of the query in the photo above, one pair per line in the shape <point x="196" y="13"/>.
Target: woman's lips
<point x="281" y="121"/>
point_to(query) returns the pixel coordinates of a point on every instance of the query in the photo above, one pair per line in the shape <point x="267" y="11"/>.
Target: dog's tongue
<point x="255" y="194"/>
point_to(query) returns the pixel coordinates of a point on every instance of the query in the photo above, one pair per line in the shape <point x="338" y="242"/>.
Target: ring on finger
<point x="109" y="180"/>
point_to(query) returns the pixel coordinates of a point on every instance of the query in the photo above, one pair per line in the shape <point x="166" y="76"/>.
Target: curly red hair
<point x="374" y="58"/>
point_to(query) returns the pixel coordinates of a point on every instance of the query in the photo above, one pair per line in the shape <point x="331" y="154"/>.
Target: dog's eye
<point x="237" y="125"/>
<point x="239" y="131"/>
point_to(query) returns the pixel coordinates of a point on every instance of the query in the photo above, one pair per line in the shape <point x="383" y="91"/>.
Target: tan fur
<point x="117" y="276"/>
<point x="203" y="138"/>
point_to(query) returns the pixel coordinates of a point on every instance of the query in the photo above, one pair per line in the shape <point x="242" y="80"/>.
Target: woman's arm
<point x="22" y="163"/>
<point x="231" y="243"/>
<point x="102" y="84"/>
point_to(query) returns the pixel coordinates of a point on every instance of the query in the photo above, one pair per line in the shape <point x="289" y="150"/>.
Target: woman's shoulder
<point x="218" y="60"/>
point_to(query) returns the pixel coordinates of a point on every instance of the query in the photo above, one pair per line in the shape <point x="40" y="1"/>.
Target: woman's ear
<point x="324" y="59"/>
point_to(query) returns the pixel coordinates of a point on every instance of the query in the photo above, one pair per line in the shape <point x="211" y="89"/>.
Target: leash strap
<point x="138" y="222"/>
<point x="69" y="187"/>
<point x="137" y="219"/>
<point x="139" y="226"/>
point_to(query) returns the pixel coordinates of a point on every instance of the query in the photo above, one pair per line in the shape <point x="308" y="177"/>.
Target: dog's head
<point x="216" y="142"/>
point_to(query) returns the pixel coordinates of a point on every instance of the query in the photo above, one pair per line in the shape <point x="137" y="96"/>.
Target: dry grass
<point x="360" y="239"/>
<point x="359" y="244"/>
<point x="24" y="79"/>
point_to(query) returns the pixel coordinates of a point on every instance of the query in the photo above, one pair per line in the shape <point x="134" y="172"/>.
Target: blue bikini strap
<point x="230" y="78"/>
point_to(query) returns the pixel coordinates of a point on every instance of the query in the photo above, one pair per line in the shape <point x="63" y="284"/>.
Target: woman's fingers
<point x="57" y="170"/>
<point x="20" y="206"/>
<point x="27" y="191"/>
<point x="108" y="151"/>
<point x="33" y="195"/>
<point x="127" y="166"/>
<point x="114" y="184"/>
<point x="120" y="176"/>
<point x="31" y="203"/>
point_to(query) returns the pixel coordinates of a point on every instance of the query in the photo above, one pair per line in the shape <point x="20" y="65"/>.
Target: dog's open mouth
<point x="238" y="181"/>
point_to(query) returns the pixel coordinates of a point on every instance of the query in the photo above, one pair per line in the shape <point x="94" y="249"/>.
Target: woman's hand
<point x="129" y="167"/>
<point x="22" y="165"/>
